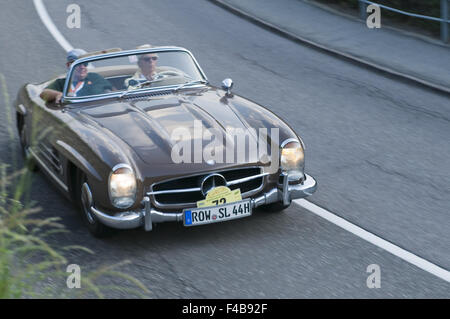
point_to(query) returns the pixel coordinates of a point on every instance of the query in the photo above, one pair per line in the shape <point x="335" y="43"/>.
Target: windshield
<point x="122" y="74"/>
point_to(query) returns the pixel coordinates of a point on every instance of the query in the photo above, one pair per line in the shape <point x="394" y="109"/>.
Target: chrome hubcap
<point x="24" y="142"/>
<point x="86" y="201"/>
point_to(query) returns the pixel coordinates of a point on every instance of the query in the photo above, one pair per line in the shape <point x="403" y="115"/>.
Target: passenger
<point x="83" y="82"/>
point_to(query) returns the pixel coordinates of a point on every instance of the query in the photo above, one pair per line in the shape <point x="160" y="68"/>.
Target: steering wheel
<point x="170" y="73"/>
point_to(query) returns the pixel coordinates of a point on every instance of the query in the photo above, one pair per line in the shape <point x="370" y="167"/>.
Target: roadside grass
<point x="31" y="266"/>
<point x="28" y="260"/>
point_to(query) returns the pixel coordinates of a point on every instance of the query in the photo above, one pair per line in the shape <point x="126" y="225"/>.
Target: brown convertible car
<point x="160" y="144"/>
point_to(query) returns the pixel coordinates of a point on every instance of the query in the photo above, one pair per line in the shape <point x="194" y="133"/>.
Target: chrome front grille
<point x="185" y="191"/>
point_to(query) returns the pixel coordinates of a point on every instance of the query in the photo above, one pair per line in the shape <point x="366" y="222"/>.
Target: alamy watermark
<point x="74" y="279"/>
<point x="374" y="279"/>
<point x="374" y="19"/>
<point x="74" y="18"/>
<point x="229" y="145"/>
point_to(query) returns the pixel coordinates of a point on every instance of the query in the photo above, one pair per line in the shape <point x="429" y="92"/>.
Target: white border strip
<point x="358" y="231"/>
<point x="45" y="18"/>
<point x="377" y="241"/>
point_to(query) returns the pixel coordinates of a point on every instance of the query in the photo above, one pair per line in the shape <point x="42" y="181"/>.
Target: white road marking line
<point x="45" y="18"/>
<point x="377" y="241"/>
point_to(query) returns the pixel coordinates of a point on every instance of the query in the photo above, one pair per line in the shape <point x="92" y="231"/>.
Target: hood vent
<point x="145" y="95"/>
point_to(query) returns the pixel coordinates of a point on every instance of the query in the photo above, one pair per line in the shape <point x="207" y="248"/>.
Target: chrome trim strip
<point x="147" y="215"/>
<point x="21" y="109"/>
<point x="57" y="168"/>
<point x="161" y="90"/>
<point x="285" y="193"/>
<point x="68" y="99"/>
<point x="205" y="173"/>
<point x="184" y="205"/>
<point x="115" y="77"/>
<point x="121" y="165"/>
<point x="50" y="156"/>
<point x="174" y="191"/>
<point x="49" y="151"/>
<point x="188" y="204"/>
<point x="302" y="143"/>
<point x="60" y="183"/>
<point x="148" y="225"/>
<point x="122" y="221"/>
<point x="198" y="189"/>
<point x="246" y="179"/>
<point x="283" y="144"/>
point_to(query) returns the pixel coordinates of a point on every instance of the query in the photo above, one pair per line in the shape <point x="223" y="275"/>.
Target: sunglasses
<point x="85" y="64"/>
<point x="148" y="59"/>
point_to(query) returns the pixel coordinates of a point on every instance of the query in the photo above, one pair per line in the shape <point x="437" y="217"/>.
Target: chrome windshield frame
<point x="69" y="100"/>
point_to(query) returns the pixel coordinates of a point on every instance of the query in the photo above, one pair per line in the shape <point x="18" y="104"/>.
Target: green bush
<point x="30" y="267"/>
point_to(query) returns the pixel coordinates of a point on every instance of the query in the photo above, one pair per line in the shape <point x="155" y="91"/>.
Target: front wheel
<point x="85" y="201"/>
<point x="25" y="148"/>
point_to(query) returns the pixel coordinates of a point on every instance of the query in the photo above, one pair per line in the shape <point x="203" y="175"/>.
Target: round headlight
<point x="122" y="186"/>
<point x="292" y="159"/>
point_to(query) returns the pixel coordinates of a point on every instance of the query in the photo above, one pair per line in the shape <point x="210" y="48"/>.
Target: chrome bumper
<point x="148" y="215"/>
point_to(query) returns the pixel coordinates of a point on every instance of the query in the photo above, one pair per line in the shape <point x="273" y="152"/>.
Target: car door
<point x="47" y="125"/>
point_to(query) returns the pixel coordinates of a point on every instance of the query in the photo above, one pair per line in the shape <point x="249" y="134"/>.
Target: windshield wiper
<point x="145" y="83"/>
<point x="140" y="85"/>
<point x="189" y="83"/>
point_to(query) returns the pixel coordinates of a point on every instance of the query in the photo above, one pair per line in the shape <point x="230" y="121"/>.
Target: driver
<point x="146" y="72"/>
<point x="83" y="82"/>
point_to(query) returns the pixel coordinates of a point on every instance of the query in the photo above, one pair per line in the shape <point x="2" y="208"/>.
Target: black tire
<point x="24" y="146"/>
<point x="95" y="227"/>
<point x="277" y="207"/>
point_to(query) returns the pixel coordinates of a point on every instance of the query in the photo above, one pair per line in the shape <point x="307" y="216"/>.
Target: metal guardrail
<point x="444" y="20"/>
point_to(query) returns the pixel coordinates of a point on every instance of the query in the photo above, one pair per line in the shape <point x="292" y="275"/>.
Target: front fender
<point x="95" y="153"/>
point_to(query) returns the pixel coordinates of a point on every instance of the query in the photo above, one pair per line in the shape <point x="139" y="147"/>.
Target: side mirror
<point x="227" y="84"/>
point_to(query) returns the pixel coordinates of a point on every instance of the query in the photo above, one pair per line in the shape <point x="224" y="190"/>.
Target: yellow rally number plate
<point x="219" y="196"/>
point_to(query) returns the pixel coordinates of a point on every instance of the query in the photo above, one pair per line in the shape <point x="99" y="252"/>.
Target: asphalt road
<point x="378" y="148"/>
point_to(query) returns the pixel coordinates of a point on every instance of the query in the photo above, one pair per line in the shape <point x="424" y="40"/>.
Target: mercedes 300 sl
<point x="159" y="143"/>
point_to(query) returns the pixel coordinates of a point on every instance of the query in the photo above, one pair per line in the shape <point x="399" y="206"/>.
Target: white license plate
<point x="214" y="214"/>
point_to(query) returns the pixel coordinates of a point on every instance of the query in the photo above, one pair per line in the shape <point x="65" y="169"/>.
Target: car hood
<point x="152" y="126"/>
